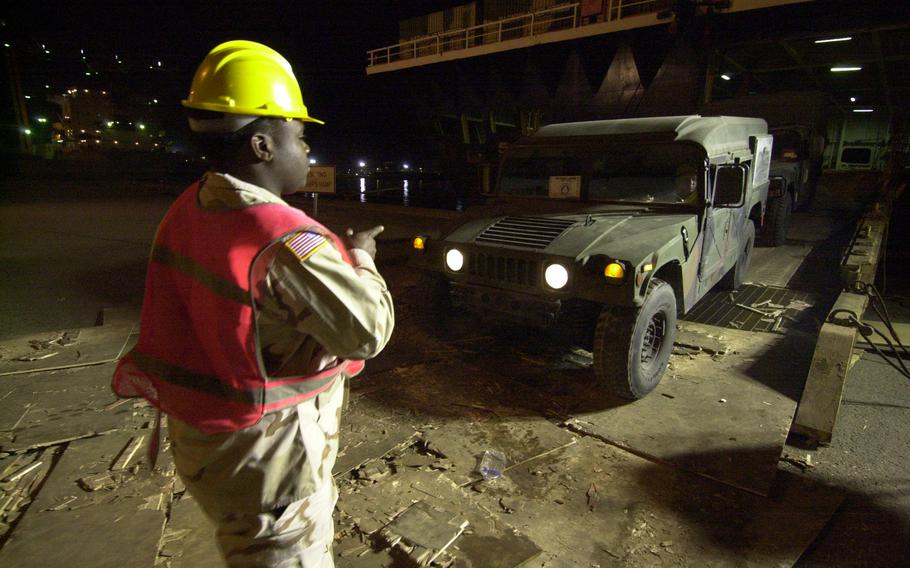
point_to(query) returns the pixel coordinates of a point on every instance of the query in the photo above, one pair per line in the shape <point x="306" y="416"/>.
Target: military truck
<point x="624" y="224"/>
<point x="796" y="163"/>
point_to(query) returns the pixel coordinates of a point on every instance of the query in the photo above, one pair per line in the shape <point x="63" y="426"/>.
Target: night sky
<point x="326" y="43"/>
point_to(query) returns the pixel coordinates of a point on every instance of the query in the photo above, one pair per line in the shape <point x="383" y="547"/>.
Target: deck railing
<point x="563" y="17"/>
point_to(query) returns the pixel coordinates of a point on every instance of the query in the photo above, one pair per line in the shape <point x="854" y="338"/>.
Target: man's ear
<point x="263" y="146"/>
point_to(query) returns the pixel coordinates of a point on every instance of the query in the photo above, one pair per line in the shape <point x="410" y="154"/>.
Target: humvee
<point x="624" y="224"/>
<point x="795" y="167"/>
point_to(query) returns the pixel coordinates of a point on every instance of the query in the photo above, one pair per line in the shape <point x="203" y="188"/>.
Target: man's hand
<point x="364" y="240"/>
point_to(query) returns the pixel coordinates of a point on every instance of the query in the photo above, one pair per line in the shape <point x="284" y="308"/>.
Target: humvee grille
<point x="520" y="271"/>
<point x="525" y="232"/>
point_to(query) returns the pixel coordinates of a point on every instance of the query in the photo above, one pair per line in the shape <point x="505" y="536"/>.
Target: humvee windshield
<point x="669" y="173"/>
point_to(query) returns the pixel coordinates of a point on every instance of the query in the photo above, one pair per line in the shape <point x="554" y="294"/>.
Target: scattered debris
<point x="373" y="470"/>
<point x="698" y="342"/>
<point x="802" y="463"/>
<point x="421" y="534"/>
<point x="127" y="454"/>
<point x="580" y="357"/>
<point x="116" y="403"/>
<point x="37" y="356"/>
<point x="22" y="472"/>
<point x="592" y="497"/>
<point x="508" y="504"/>
<point x="492" y="464"/>
<point x="96" y="481"/>
<point x="62" y="505"/>
<point x="21" y="418"/>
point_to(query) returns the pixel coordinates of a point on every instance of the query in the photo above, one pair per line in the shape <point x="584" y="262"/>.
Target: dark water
<point x="410" y="191"/>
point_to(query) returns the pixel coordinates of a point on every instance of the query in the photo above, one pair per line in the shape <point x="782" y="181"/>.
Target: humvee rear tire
<point x="632" y="345"/>
<point x="734" y="279"/>
<point x="774" y="233"/>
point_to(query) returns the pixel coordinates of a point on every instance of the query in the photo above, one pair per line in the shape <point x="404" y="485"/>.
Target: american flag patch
<point x="303" y="245"/>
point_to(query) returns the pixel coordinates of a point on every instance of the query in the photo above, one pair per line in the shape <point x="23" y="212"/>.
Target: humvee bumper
<point x="503" y="304"/>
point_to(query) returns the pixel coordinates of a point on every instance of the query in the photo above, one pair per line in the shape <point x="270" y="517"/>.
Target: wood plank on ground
<point x="596" y="504"/>
<point x="776" y="266"/>
<point x="723" y="417"/>
<point x="112" y="527"/>
<point x="189" y="539"/>
<point x="49" y="407"/>
<point x="64" y="349"/>
<point x="820" y="402"/>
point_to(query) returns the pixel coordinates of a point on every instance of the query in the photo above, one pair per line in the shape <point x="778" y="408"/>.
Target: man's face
<point x="686" y="184"/>
<point x="292" y="157"/>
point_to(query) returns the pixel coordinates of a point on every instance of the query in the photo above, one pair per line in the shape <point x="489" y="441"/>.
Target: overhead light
<point x="863" y="110"/>
<point x="312" y="161"/>
<point x="833" y="39"/>
<point x="362" y="164"/>
<point x="852" y="99"/>
<point x="725" y="77"/>
<point x="843" y="69"/>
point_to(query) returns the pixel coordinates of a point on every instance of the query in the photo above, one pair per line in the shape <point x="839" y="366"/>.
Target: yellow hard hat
<point x="247" y="78"/>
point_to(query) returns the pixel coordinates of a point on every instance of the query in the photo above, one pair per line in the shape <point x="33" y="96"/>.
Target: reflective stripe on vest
<point x="275" y="391"/>
<point x="217" y="284"/>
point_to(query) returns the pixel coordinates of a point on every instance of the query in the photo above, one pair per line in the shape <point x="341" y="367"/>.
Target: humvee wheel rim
<point x="653" y="339"/>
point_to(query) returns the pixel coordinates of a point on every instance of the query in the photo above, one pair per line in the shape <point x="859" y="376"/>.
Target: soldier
<point x="685" y="184"/>
<point x="254" y="317"/>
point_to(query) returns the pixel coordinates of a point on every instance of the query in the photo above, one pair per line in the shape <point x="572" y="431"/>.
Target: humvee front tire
<point x="632" y="345"/>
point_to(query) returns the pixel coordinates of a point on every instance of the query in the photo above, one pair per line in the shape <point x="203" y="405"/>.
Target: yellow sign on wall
<point x="320" y="180"/>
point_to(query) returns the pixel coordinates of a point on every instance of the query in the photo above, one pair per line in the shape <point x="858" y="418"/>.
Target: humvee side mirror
<point x="729" y="186"/>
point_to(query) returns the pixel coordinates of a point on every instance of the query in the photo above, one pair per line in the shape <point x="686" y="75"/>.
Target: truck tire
<point x="632" y="345"/>
<point x="774" y="233"/>
<point x="737" y="275"/>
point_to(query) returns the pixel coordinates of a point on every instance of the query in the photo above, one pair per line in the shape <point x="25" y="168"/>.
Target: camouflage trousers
<point x="268" y="488"/>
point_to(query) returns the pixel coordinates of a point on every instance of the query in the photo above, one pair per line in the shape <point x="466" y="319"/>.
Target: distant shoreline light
<point x="834" y="39"/>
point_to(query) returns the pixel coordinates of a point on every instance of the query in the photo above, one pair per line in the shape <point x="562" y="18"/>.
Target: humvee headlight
<point x="556" y="276"/>
<point x="615" y="271"/>
<point x="420" y="243"/>
<point x="454" y="260"/>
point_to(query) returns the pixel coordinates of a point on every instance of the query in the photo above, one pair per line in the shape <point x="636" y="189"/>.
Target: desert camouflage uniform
<point x="269" y="488"/>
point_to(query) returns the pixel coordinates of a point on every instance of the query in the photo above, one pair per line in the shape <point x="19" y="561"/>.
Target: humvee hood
<point x="625" y="234"/>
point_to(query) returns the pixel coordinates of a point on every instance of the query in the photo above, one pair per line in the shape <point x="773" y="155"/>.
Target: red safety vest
<point x="198" y="357"/>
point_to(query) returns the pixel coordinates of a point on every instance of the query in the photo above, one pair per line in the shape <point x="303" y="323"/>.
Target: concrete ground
<point x="68" y="252"/>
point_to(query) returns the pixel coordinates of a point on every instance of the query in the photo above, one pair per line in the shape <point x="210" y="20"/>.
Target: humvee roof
<point x="716" y="134"/>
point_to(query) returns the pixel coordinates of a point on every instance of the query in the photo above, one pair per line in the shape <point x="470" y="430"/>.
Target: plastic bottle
<point x="492" y="464"/>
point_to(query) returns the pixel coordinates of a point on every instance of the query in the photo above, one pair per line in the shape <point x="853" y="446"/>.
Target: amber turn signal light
<point x="615" y="271"/>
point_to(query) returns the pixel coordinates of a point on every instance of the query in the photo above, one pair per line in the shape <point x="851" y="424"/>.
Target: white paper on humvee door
<point x="762" y="159"/>
<point x="565" y="187"/>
